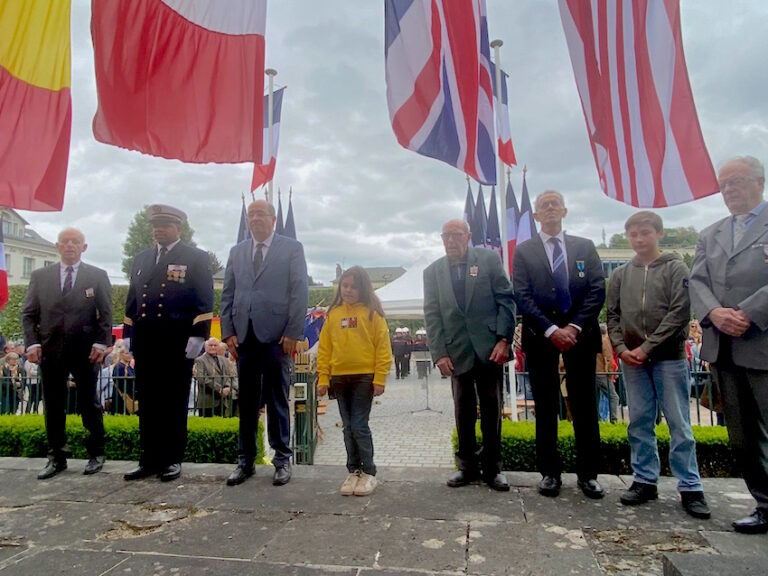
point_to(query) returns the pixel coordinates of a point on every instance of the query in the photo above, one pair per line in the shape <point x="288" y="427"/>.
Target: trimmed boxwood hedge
<point x="518" y="448"/>
<point x="208" y="439"/>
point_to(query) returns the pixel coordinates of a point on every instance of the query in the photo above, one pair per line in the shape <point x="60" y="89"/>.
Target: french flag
<point x="264" y="171"/>
<point x="3" y="271"/>
<point x="439" y="89"/>
<point x="526" y="226"/>
<point x="479" y="226"/>
<point x="513" y="215"/>
<point x="469" y="207"/>
<point x="493" y="232"/>
<point x="180" y="79"/>
<point x="506" y="151"/>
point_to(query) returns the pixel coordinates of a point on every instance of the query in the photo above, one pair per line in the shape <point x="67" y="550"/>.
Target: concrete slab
<point x="155" y="565"/>
<point x="731" y="543"/>
<point x="424" y="544"/>
<point x="64" y="563"/>
<point x="694" y="565"/>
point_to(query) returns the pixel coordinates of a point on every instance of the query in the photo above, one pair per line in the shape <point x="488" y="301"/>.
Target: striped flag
<point x="35" y="103"/>
<point x="469" y="207"/>
<point x="279" y="224"/>
<point x="264" y="171"/>
<point x="513" y="216"/>
<point x="632" y="78"/>
<point x="479" y="227"/>
<point x="290" y="226"/>
<point x="243" y="232"/>
<point x="493" y="232"/>
<point x="506" y="151"/>
<point x="526" y="225"/>
<point x="180" y="79"/>
<point x="438" y="77"/>
<point x="3" y="270"/>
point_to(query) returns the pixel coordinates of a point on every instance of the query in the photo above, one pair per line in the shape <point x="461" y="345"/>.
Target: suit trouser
<point x="483" y="384"/>
<point x="55" y="373"/>
<point x="263" y="379"/>
<point x="745" y="403"/>
<point x="543" y="366"/>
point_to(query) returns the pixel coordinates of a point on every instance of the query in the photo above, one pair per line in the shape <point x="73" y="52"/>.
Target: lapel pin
<point x="473" y="271"/>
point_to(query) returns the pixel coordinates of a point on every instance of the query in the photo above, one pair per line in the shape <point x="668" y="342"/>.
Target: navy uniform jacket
<point x="173" y="297"/>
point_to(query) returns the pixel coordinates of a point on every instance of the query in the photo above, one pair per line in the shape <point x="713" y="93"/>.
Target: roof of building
<point x="34" y="238"/>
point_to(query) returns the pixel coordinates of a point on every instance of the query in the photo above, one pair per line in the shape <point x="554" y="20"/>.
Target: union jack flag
<point x="439" y="89"/>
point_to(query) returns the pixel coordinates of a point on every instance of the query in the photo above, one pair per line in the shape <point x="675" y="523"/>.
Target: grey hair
<point x="270" y="208"/>
<point x="756" y="168"/>
<point x="70" y="229"/>
<point x="463" y="223"/>
<point x="555" y="192"/>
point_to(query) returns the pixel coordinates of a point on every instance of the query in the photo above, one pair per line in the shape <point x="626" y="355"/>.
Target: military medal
<point x="580" y="268"/>
<point x="473" y="271"/>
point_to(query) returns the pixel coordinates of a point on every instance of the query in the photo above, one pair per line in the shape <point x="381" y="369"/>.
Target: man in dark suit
<point x="67" y="321"/>
<point x="470" y="318"/>
<point x="168" y="315"/>
<point x="263" y="306"/>
<point x="729" y="293"/>
<point x="560" y="289"/>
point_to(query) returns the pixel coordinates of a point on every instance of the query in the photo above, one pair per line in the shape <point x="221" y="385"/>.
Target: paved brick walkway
<point x="403" y="433"/>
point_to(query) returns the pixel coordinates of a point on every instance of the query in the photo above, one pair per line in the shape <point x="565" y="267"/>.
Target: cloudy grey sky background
<point x="359" y="198"/>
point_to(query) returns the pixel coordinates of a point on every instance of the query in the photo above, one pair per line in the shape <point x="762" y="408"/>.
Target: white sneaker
<point x="348" y="486"/>
<point x="365" y="485"/>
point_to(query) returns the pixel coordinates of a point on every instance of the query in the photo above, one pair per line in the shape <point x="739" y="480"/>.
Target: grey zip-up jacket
<point x="649" y="306"/>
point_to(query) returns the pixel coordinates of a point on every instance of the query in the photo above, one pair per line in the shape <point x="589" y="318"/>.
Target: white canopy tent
<point x="404" y="298"/>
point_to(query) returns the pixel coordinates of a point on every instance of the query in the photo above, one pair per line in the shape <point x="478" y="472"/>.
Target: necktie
<point x="216" y="359"/>
<point x="258" y="257"/>
<point x="739" y="229"/>
<point x="162" y="252"/>
<point x="67" y="288"/>
<point x="560" y="274"/>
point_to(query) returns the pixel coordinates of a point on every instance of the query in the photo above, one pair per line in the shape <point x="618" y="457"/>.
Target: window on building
<point x="29" y="265"/>
<point x="7" y="228"/>
<point x="8" y="264"/>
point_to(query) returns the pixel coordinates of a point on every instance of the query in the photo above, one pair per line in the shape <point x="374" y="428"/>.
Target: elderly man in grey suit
<point x="263" y="306"/>
<point x="729" y="293"/>
<point x="67" y="321"/>
<point x="470" y="320"/>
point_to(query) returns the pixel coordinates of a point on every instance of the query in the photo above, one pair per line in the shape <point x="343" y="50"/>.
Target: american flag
<point x="439" y="86"/>
<point x="632" y="78"/>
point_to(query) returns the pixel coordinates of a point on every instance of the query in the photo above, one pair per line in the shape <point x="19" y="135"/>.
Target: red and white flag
<point x="632" y="78"/>
<point x="3" y="270"/>
<point x="506" y="151"/>
<point x="181" y="79"/>
<point x="264" y="170"/>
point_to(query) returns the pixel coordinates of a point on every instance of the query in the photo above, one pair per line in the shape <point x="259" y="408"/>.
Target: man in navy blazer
<point x="560" y="290"/>
<point x="263" y="306"/>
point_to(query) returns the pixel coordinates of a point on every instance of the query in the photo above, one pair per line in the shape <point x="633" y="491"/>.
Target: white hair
<point x="756" y="168"/>
<point x="553" y="192"/>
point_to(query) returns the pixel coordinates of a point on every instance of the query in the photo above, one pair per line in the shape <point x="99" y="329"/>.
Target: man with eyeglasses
<point x="560" y="290"/>
<point x="470" y="320"/>
<point x="729" y="293"/>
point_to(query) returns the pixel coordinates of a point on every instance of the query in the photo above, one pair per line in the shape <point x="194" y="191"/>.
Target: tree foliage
<point x="681" y="237"/>
<point x="140" y="238"/>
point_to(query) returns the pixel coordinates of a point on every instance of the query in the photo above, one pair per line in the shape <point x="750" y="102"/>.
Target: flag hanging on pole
<point x="479" y="227"/>
<point x="180" y="79"/>
<point x="3" y="270"/>
<point x="438" y="78"/>
<point x="35" y="103"/>
<point x="243" y="232"/>
<point x="526" y="225"/>
<point x="513" y="216"/>
<point x="290" y="226"/>
<point x="637" y="101"/>
<point x="279" y="228"/>
<point x="506" y="151"/>
<point x="469" y="207"/>
<point x="264" y="170"/>
<point x="493" y="232"/>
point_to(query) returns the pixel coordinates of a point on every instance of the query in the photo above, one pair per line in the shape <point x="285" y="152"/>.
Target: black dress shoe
<point x="51" y="469"/>
<point x="239" y="475"/>
<point x="138" y="473"/>
<point x="282" y="475"/>
<point x="591" y="488"/>
<point x="170" y="472"/>
<point x="461" y="478"/>
<point x="755" y="523"/>
<point x="695" y="504"/>
<point x="639" y="493"/>
<point x="94" y="465"/>
<point x="550" y="486"/>
<point x="498" y="482"/>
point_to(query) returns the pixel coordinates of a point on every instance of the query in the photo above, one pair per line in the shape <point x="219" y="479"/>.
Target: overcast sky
<point x="359" y="198"/>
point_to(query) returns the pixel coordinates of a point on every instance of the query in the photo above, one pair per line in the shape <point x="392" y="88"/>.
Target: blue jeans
<point x="664" y="383"/>
<point x="354" y="394"/>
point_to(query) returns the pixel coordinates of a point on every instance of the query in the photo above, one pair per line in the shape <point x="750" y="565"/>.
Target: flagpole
<point x="496" y="44"/>
<point x="271" y="72"/>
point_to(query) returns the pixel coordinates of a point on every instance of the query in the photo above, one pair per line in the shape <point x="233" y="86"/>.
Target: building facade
<point x="25" y="249"/>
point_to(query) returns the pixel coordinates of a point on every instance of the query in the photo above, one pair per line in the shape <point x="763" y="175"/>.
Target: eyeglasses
<point x="736" y="182"/>
<point x="453" y="235"/>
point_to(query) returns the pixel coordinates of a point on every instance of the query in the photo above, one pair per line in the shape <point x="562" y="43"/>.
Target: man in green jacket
<point x="648" y="315"/>
<point x="470" y="318"/>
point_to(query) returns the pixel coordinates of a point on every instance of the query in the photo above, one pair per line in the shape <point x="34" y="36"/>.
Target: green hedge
<point x="208" y="440"/>
<point x="518" y="448"/>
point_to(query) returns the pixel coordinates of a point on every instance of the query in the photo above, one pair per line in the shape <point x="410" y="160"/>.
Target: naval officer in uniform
<point x="168" y="315"/>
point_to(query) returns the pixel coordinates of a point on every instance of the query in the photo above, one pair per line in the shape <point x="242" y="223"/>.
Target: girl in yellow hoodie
<point x="354" y="358"/>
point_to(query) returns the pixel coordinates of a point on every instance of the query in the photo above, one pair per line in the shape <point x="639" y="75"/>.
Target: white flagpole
<point x="496" y="44"/>
<point x="271" y="72"/>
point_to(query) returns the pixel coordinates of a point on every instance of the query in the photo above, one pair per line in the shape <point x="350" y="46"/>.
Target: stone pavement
<point x="413" y="524"/>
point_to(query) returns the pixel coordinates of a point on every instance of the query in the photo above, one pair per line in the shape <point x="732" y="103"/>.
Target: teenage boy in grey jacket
<point x="648" y="315"/>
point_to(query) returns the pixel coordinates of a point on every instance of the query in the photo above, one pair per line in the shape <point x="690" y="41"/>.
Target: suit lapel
<point x="272" y="253"/>
<point x="756" y="229"/>
<point x="724" y="235"/>
<point x="81" y="278"/>
<point x="541" y="254"/>
<point x="470" y="279"/>
<point x="445" y="282"/>
<point x="571" y="254"/>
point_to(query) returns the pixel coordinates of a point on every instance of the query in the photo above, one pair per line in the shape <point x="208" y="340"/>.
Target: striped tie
<point x="560" y="274"/>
